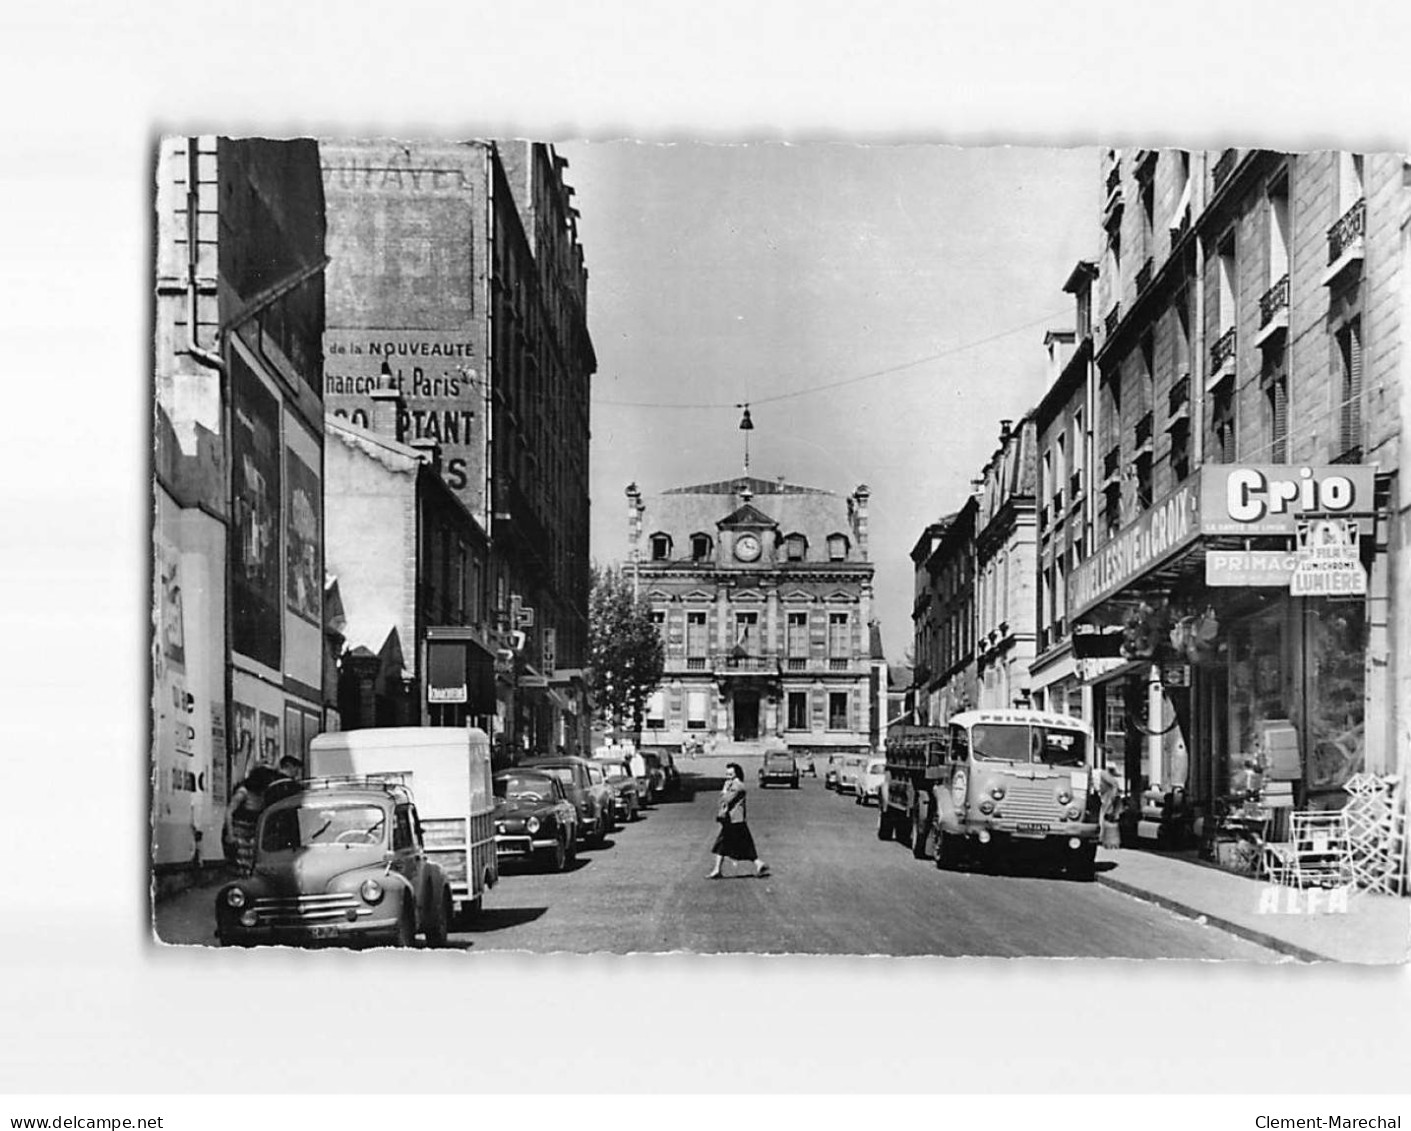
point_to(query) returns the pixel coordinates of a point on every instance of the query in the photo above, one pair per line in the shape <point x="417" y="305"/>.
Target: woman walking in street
<point x="734" y="839"/>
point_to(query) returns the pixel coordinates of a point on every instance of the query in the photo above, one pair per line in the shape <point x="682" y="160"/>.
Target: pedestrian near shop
<point x="242" y="814"/>
<point x="734" y="839"/>
<point x="1110" y="798"/>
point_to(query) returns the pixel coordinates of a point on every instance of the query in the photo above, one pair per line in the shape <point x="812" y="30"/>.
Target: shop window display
<point x="1334" y="690"/>
<point x="1257" y="685"/>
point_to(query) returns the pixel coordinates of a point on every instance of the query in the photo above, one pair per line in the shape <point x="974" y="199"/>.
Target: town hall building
<point x="762" y="591"/>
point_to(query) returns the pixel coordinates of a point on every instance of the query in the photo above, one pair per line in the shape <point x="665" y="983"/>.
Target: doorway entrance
<point x="746" y="716"/>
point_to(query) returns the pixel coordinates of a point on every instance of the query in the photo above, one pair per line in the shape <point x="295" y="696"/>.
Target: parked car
<point x="871" y="781"/>
<point x="626" y="798"/>
<point x="534" y="819"/>
<point x="830" y="775"/>
<point x="779" y="768"/>
<point x="337" y="860"/>
<point x="583" y="781"/>
<point x="850" y="772"/>
<point x="656" y="773"/>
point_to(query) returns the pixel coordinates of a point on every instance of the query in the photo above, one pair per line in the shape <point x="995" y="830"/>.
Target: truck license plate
<point x="1030" y="827"/>
<point x="323" y="932"/>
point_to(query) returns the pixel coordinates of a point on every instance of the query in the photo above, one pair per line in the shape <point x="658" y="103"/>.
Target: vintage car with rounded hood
<point x="337" y="861"/>
<point x="534" y="819"/>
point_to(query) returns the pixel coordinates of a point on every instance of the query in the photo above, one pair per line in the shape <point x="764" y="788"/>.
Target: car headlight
<point x="1064" y="796"/>
<point x="987" y="807"/>
<point x="997" y="793"/>
<point x="532" y="825"/>
<point x="235" y="898"/>
<point x="371" y="891"/>
<point x="249" y="918"/>
<point x="1074" y="812"/>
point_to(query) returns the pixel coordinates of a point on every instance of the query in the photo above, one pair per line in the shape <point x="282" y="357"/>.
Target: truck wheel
<point x="884" y="823"/>
<point x="905" y="828"/>
<point x="920" y="835"/>
<point x="947" y="851"/>
<point x="1082" y="865"/>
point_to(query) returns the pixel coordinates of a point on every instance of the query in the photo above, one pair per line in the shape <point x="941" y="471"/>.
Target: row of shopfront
<point x="1238" y="627"/>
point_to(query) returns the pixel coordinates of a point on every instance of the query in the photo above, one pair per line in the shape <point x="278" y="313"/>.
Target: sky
<point x="881" y="309"/>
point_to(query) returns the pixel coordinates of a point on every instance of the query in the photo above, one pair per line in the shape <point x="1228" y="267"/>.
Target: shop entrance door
<point x="746" y="716"/>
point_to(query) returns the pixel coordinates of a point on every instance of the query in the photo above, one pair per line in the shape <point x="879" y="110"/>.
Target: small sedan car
<point x="626" y="795"/>
<point x="582" y="779"/>
<point x="871" y="780"/>
<point x="534" y="819"/>
<point x="779" y="768"/>
<point x="337" y="860"/>
<point x="850" y="773"/>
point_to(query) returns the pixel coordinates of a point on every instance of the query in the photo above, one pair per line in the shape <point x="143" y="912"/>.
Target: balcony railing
<point x="1144" y="431"/>
<point x="840" y="663"/>
<point x="1347" y="231"/>
<point x="1144" y="275"/>
<point x="729" y="662"/>
<point x="1223" y="351"/>
<point x="1223" y="168"/>
<point x="1114" y="316"/>
<point x="1275" y="299"/>
<point x="1180" y="396"/>
<point x="695" y="663"/>
<point x="796" y="663"/>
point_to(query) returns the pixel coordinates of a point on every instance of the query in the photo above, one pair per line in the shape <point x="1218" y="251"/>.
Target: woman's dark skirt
<point x="735" y="842"/>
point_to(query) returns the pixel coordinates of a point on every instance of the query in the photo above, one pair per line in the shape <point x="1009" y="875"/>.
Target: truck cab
<point x="1017" y="782"/>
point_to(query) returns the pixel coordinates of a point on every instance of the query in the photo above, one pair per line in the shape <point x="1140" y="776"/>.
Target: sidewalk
<point x="1373" y="930"/>
<point x="189" y="915"/>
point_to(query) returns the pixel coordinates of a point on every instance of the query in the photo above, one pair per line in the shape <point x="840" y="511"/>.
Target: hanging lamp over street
<point x="746" y="426"/>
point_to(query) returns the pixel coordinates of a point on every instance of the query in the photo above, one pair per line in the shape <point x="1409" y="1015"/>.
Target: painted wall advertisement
<point x="255" y="529"/>
<point x="404" y="288"/>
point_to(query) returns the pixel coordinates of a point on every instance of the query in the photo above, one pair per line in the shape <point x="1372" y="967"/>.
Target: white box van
<point x="448" y="772"/>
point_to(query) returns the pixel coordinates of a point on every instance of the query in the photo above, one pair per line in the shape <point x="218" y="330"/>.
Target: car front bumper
<point x="511" y="846"/>
<point x="380" y="929"/>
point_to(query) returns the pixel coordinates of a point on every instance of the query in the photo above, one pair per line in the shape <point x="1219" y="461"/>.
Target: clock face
<point x="747" y="547"/>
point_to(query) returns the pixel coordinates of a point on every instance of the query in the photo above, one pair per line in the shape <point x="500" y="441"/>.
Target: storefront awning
<point x="1222" y="507"/>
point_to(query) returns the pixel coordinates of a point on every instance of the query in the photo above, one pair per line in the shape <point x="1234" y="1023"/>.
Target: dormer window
<point x="837" y="547"/>
<point x="701" y="547"/>
<point x="795" y="548"/>
<point x="661" y="547"/>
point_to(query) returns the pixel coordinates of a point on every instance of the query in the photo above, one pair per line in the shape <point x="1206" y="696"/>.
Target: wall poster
<point x="254" y="537"/>
<point x="304" y="581"/>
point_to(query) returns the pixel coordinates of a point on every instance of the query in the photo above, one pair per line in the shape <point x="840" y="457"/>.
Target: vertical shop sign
<point x="304" y="588"/>
<point x="254" y="546"/>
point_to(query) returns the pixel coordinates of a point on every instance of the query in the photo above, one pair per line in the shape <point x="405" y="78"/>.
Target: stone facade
<point x="763" y="593"/>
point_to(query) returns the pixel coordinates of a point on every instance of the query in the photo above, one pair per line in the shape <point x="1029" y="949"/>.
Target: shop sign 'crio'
<point x="1271" y="498"/>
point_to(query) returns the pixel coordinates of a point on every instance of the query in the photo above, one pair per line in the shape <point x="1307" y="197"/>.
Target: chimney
<point x="430" y="452"/>
<point x="388" y="410"/>
<point x="861" y="495"/>
<point x="1004" y="431"/>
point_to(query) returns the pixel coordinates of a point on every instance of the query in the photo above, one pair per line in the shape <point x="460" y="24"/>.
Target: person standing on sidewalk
<point x="242" y="814"/>
<point x="734" y="839"/>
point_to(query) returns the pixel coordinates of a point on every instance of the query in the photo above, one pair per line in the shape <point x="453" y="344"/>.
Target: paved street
<point x="835" y="889"/>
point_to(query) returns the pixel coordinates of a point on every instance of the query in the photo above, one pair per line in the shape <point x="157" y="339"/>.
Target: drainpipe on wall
<point x="211" y="360"/>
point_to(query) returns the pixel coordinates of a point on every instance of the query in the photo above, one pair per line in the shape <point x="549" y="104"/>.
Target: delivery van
<point x="447" y="770"/>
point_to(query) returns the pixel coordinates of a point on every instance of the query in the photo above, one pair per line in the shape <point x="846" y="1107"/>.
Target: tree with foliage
<point x="624" y="647"/>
